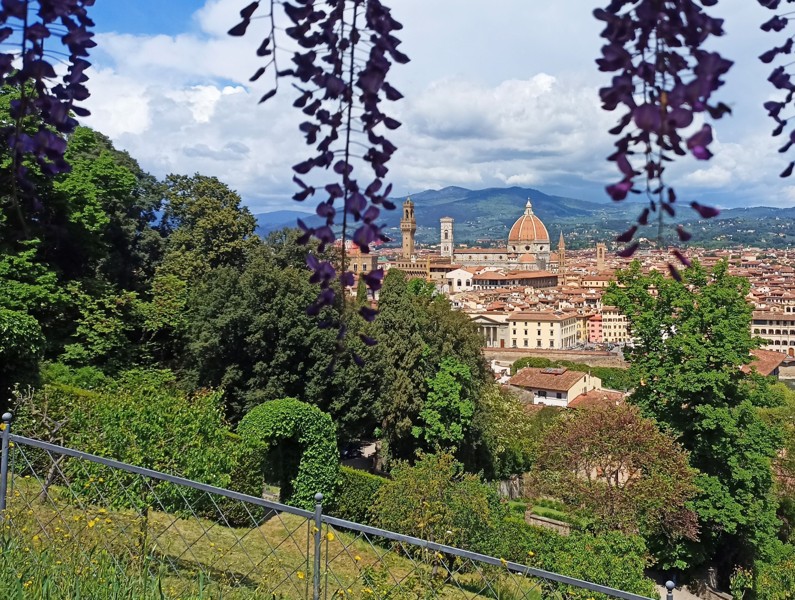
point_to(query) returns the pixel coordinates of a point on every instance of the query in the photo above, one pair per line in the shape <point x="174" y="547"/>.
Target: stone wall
<point x="594" y="359"/>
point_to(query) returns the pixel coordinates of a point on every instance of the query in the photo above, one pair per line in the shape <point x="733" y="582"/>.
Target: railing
<point x="76" y="520"/>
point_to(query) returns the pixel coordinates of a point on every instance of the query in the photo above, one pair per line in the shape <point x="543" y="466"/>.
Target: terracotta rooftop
<point x="597" y="397"/>
<point x="540" y="316"/>
<point x="558" y="380"/>
<point x="766" y="361"/>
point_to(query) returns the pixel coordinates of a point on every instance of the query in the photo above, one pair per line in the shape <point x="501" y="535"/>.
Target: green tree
<point x="21" y="346"/>
<point x="691" y="338"/>
<point x="104" y="330"/>
<point x="31" y="308"/>
<point x="206" y="225"/>
<point x="447" y="413"/>
<point x="247" y="331"/>
<point x="505" y="438"/>
<point x="114" y="201"/>
<point x="414" y="333"/>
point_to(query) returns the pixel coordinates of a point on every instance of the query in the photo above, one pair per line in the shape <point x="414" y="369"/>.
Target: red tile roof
<point x="558" y="380"/>
<point x="596" y="397"/>
<point x="766" y="361"/>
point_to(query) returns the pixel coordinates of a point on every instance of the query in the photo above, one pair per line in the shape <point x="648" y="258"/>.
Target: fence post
<point x="7" y="417"/>
<point x="318" y="523"/>
<point x="669" y="586"/>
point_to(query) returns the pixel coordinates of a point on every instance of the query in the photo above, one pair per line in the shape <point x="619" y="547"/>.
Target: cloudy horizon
<point x="494" y="96"/>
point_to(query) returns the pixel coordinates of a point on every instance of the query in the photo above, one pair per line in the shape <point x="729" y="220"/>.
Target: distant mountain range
<point x="488" y="214"/>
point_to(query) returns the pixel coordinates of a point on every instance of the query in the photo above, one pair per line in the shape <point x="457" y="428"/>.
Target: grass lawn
<point x="57" y="548"/>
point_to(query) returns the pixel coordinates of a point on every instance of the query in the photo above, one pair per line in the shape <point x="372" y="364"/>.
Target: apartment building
<point x="615" y="326"/>
<point x="542" y="330"/>
<point x="777" y="329"/>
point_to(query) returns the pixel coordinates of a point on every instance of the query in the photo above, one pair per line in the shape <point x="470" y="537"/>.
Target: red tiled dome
<point x="528" y="228"/>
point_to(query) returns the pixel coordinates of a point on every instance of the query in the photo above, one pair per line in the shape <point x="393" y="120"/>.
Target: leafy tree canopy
<point x="692" y="336"/>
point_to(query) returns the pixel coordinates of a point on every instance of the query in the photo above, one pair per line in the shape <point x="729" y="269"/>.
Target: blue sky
<point x="145" y="17"/>
<point x="498" y="93"/>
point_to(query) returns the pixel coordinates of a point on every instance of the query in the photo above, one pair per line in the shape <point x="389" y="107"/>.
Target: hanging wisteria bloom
<point x="339" y="73"/>
<point x="39" y="38"/>
<point x="664" y="82"/>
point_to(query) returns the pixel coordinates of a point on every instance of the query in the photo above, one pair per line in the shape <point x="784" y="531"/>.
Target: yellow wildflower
<point x="330" y="536"/>
<point x="503" y="561"/>
<point x="357" y="557"/>
<point x="28" y="583"/>
<point x="301" y="574"/>
<point x="530" y="553"/>
<point x="91" y="523"/>
<point x="36" y="538"/>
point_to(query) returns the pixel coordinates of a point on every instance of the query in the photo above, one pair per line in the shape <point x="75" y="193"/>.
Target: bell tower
<point x="601" y="253"/>
<point x="408" y="226"/>
<point x="561" y="254"/>
<point x="447" y="236"/>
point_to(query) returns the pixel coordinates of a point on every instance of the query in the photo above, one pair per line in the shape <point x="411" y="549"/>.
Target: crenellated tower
<point x="408" y="227"/>
<point x="561" y="254"/>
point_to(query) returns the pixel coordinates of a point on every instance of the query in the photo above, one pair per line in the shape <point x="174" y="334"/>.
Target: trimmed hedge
<point x="302" y="449"/>
<point x="355" y="495"/>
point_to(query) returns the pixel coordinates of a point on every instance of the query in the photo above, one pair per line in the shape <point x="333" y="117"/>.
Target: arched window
<point x="445" y="235"/>
<point x="459" y="283"/>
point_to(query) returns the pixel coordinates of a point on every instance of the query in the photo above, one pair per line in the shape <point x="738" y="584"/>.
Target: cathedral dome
<point x="528" y="228"/>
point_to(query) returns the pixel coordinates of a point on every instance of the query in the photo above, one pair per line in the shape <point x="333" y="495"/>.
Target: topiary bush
<point x="302" y="449"/>
<point x="355" y="494"/>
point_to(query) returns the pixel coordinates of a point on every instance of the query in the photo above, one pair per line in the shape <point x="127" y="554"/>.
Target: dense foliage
<point x="692" y="336"/>
<point x="437" y="500"/>
<point x="141" y="418"/>
<point x="355" y="495"/>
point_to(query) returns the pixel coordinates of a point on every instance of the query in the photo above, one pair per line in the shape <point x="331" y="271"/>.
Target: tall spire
<point x="528" y="208"/>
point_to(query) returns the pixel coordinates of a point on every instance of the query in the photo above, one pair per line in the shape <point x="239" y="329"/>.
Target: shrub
<point x="355" y="495"/>
<point x="437" y="501"/>
<point x="613" y="559"/>
<point x="530" y="361"/>
<point x="302" y="449"/>
<point x="141" y="418"/>
<point x="775" y="577"/>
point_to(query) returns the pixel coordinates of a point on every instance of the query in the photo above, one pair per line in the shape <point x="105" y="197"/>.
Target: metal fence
<point x="75" y="522"/>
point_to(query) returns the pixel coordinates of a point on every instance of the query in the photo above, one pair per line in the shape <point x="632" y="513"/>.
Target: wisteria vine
<point x="37" y="36"/>
<point x="780" y="77"/>
<point x="346" y="50"/>
<point x="664" y="80"/>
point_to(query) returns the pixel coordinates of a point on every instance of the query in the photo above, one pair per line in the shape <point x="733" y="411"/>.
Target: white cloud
<point x="504" y="94"/>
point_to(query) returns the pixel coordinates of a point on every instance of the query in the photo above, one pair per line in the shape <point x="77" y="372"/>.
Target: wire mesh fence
<point x="91" y="527"/>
